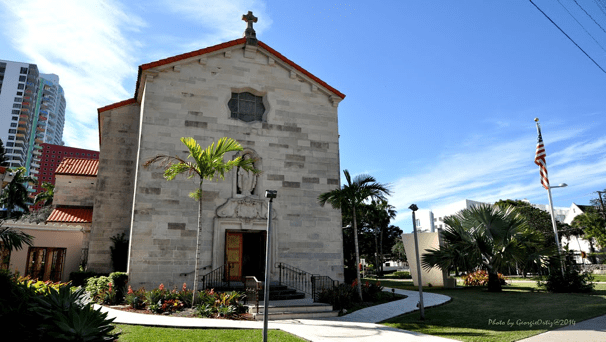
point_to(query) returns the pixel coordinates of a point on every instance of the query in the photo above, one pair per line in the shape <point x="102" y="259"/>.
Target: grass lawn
<point x="596" y="277"/>
<point x="136" y="333"/>
<point x="521" y="310"/>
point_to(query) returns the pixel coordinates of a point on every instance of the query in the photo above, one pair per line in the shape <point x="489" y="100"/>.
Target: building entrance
<point x="245" y="254"/>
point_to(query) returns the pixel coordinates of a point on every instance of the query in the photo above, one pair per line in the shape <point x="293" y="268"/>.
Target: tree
<point x="15" y="193"/>
<point x="46" y="196"/>
<point x="487" y="236"/>
<point x="207" y="164"/>
<point x="350" y="197"/>
<point x="3" y="160"/>
<point x="398" y="253"/>
<point x="593" y="226"/>
<point x="13" y="239"/>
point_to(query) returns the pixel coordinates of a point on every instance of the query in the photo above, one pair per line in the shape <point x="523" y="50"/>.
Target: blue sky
<point x="441" y="95"/>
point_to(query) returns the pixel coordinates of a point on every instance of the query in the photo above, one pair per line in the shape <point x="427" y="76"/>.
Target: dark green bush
<point x="571" y="281"/>
<point x="402" y="275"/>
<point x="51" y="315"/>
<point x="79" y="278"/>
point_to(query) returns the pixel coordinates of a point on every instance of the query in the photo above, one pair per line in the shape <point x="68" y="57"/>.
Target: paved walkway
<point x="591" y="330"/>
<point x="359" y="326"/>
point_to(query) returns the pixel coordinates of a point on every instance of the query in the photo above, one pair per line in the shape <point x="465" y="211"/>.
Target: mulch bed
<point x="183" y="313"/>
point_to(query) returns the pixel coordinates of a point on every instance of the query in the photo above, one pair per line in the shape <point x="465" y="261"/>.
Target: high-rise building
<point x="19" y="84"/>
<point x="32" y="112"/>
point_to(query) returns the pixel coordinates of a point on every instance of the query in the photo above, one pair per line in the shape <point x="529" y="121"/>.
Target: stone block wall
<point x="298" y="151"/>
<point x="74" y="190"/>
<point x="112" y="210"/>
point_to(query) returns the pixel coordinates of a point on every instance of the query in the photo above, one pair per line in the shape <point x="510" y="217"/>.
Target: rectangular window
<point x="11" y="138"/>
<point x="20" y="86"/>
<point x="12" y="131"/>
<point x="15" y="111"/>
<point x="10" y="144"/>
<point x="19" y="93"/>
<point x="16" y="105"/>
<point x="21" y="78"/>
<point x="18" y="99"/>
<point x="15" y="118"/>
<point x="8" y="150"/>
<point x="23" y="71"/>
<point x="14" y="124"/>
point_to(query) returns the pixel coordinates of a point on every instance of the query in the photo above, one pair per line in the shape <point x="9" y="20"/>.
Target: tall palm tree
<point x="207" y="164"/>
<point x="350" y="197"/>
<point x="15" y="193"/>
<point x="46" y="196"/>
<point x="485" y="236"/>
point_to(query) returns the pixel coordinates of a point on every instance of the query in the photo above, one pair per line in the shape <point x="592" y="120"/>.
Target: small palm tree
<point x="350" y="197"/>
<point x="46" y="196"/>
<point x="13" y="239"/>
<point x="207" y="164"/>
<point x="15" y="193"/>
<point x="482" y="237"/>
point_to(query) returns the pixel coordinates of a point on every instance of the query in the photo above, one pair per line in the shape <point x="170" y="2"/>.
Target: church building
<point x="285" y="118"/>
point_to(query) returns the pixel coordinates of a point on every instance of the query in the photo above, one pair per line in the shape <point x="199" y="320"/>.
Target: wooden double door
<point x="245" y="254"/>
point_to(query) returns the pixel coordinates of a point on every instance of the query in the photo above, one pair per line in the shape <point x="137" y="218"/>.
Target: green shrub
<point x="49" y="312"/>
<point x="402" y="275"/>
<point x="225" y="304"/>
<point x="79" y="278"/>
<point x="340" y="297"/>
<point x="136" y="299"/>
<point x="96" y="286"/>
<point x="571" y="281"/>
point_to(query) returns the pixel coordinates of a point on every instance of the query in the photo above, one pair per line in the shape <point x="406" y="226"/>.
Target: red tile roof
<point x="71" y="215"/>
<point x="78" y="167"/>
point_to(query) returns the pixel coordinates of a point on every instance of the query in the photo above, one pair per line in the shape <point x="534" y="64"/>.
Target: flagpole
<point x="553" y="220"/>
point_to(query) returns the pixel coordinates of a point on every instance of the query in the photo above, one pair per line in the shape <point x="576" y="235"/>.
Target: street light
<point x="271" y="194"/>
<point x="414" y="208"/>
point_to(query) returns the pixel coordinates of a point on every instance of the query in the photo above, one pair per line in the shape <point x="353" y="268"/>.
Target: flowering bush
<point x="480" y="278"/>
<point x="136" y="299"/>
<point x="225" y="304"/>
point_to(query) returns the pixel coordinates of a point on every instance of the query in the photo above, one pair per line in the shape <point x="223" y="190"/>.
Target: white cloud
<point x="84" y="43"/>
<point x="217" y="19"/>
<point x="492" y="171"/>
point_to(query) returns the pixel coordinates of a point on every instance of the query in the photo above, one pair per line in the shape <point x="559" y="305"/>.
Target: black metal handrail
<point x="303" y="281"/>
<point x="217" y="278"/>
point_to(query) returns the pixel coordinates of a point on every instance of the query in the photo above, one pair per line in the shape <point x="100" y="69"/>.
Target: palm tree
<point x="484" y="236"/>
<point x="47" y="195"/>
<point x="350" y="197"/>
<point x="12" y="239"/>
<point x="15" y="193"/>
<point x="207" y="164"/>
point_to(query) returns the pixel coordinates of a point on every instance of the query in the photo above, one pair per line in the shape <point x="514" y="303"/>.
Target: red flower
<point x="161" y="287"/>
<point x="184" y="287"/>
<point x="130" y="290"/>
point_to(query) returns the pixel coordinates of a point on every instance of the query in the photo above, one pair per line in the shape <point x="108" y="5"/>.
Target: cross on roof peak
<point x="250" y="34"/>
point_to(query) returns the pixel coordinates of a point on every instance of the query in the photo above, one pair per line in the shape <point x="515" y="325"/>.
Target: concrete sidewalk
<point x="358" y="326"/>
<point x="591" y="330"/>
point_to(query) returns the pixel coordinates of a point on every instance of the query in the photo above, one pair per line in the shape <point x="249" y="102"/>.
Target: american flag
<point x="539" y="159"/>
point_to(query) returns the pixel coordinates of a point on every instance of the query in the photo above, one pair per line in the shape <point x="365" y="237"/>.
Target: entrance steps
<point x="293" y="309"/>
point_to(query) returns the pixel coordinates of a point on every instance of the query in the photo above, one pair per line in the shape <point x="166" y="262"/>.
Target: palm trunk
<point x="355" y="228"/>
<point x="376" y="255"/>
<point x="494" y="284"/>
<point x="381" y="249"/>
<point x="193" y="300"/>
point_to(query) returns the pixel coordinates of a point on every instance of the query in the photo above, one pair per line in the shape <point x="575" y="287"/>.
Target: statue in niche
<point x="247" y="180"/>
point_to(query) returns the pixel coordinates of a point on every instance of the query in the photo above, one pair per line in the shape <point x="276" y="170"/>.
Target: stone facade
<point x="295" y="144"/>
<point x="71" y="190"/>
